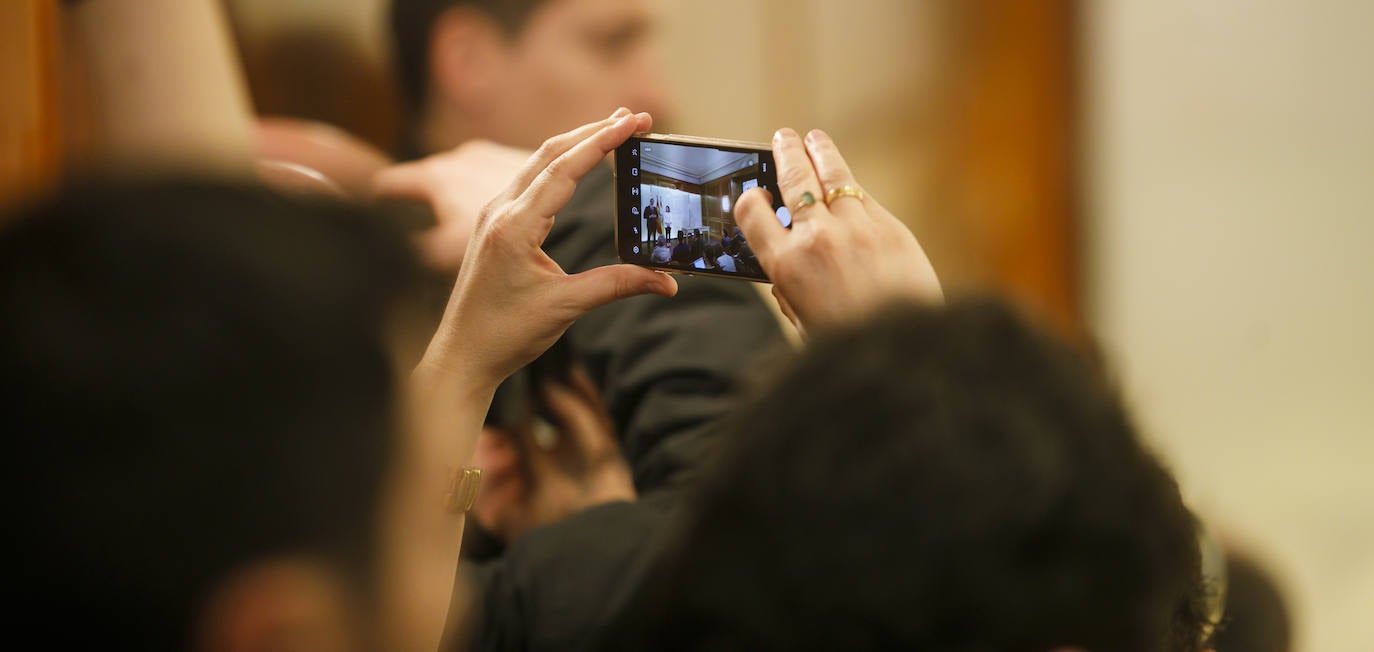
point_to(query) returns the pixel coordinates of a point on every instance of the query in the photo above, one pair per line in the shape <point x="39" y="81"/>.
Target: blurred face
<point x="576" y="61"/>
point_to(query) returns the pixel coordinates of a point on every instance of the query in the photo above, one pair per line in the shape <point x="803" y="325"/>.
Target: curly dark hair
<point x="932" y="479"/>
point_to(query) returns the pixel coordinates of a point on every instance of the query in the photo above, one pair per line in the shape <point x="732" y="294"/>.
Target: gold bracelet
<point x="462" y="490"/>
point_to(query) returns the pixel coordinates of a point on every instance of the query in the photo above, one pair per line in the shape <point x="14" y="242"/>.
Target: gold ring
<point x="807" y="199"/>
<point x="843" y="191"/>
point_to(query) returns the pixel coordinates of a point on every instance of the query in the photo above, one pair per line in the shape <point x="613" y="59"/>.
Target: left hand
<point x="843" y="257"/>
<point x="511" y="301"/>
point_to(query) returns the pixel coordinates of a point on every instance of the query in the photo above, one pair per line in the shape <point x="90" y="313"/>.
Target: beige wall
<point x="1232" y="164"/>
<point x="857" y="69"/>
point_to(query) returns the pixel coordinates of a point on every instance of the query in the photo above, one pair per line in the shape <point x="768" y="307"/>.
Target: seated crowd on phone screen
<point x="702" y="251"/>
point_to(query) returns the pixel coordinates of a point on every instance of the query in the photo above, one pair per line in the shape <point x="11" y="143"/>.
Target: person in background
<point x="654" y="220"/>
<point x="682" y="253"/>
<point x="514" y="71"/>
<point x="705" y="262"/>
<point x="662" y="252"/>
<point x="723" y="260"/>
<point x="698" y="245"/>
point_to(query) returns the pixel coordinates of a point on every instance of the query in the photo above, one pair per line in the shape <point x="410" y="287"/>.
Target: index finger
<point x="555" y="147"/>
<point x="554" y="186"/>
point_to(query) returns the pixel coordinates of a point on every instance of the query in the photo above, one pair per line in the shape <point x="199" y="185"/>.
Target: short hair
<point x="932" y="479"/>
<point x="412" y="28"/>
<point x="194" y="377"/>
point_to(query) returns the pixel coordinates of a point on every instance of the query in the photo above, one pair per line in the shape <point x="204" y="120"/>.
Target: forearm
<point x="424" y="534"/>
<point x="166" y="85"/>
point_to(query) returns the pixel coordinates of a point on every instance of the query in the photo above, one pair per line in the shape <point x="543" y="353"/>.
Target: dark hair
<point x="412" y="27"/>
<point x="933" y="479"/>
<point x="194" y="377"/>
<point x="1257" y="618"/>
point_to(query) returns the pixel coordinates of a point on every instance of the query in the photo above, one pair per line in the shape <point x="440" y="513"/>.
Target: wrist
<point x="451" y="358"/>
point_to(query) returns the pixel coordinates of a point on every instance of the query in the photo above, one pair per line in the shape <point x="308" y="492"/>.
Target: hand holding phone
<point x="844" y="255"/>
<point x="506" y="268"/>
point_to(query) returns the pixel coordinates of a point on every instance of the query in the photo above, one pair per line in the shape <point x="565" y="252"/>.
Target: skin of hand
<point x="533" y="482"/>
<point x="511" y="301"/>
<point x="838" y="262"/>
<point x="459" y="184"/>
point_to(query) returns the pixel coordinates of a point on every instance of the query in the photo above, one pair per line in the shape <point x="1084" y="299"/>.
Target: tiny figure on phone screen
<point x="655" y="220"/>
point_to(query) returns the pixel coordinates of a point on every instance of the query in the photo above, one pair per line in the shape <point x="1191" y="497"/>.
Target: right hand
<point x="838" y="262"/>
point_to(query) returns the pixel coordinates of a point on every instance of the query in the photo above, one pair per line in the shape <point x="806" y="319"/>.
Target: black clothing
<point x="682" y="253"/>
<point x="667" y="368"/>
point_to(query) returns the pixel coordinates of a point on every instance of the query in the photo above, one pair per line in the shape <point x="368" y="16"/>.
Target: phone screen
<point x="675" y="204"/>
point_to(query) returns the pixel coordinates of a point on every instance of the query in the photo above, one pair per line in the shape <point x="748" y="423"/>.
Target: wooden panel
<point x="28" y="98"/>
<point x="1006" y="167"/>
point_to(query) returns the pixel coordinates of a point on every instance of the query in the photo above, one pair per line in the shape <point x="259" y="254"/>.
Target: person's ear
<point x="467" y="57"/>
<point x="280" y="606"/>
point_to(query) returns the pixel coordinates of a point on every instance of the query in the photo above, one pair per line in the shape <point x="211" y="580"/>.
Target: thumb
<point x="597" y="287"/>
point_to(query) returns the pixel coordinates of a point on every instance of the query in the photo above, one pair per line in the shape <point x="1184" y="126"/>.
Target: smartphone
<point x="675" y="198"/>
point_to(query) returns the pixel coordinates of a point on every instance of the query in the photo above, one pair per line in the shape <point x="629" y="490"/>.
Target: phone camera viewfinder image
<point x="675" y="201"/>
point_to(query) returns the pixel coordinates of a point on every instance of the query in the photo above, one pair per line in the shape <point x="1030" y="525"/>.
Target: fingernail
<point x="620" y="112"/>
<point x="785" y="132"/>
<point x="667" y="282"/>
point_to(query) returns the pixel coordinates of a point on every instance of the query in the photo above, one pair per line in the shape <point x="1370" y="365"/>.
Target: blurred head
<point x="520" y="71"/>
<point x="1256" y="617"/>
<point x="932" y="480"/>
<point x="200" y="387"/>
